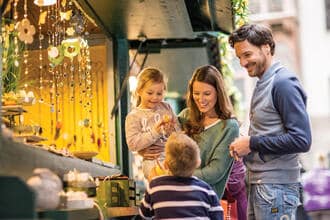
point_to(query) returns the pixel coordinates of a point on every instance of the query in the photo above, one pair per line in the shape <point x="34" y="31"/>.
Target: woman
<point x="208" y="119"/>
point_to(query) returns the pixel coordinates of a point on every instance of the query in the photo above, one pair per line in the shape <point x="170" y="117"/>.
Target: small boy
<point x="178" y="194"/>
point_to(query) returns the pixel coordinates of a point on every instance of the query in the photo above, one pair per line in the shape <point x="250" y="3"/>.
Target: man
<point x="279" y="127"/>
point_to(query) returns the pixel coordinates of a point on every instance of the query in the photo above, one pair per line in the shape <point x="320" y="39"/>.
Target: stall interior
<point x="55" y="79"/>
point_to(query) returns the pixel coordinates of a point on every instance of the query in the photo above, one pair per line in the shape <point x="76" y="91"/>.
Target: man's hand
<point x="240" y="147"/>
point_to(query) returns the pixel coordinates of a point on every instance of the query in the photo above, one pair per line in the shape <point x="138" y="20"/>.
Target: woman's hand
<point x="151" y="153"/>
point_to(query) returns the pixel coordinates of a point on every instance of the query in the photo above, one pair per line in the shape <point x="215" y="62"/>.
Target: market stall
<point x="65" y="70"/>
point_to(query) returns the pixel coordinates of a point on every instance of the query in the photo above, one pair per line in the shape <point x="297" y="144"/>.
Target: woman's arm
<point x="218" y="161"/>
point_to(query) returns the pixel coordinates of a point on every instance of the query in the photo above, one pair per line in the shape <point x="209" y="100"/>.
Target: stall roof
<point x="160" y="19"/>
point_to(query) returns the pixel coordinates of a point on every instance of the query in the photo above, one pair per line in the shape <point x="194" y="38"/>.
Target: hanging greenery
<point x="11" y="56"/>
<point x="240" y="8"/>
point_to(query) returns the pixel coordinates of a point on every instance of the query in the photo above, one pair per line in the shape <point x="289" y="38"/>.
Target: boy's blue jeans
<point x="273" y="201"/>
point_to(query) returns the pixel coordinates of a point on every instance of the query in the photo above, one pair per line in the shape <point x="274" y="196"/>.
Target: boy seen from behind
<point x="178" y="194"/>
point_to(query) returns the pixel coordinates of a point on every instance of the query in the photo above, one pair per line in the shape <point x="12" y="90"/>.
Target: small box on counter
<point x="118" y="191"/>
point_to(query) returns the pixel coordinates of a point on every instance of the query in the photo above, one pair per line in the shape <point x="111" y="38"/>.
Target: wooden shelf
<point x="122" y="211"/>
<point x="12" y="110"/>
<point x="82" y="214"/>
<point x="30" y="138"/>
<point x="69" y="214"/>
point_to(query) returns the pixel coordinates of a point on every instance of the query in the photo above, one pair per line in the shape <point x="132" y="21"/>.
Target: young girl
<point x="149" y="124"/>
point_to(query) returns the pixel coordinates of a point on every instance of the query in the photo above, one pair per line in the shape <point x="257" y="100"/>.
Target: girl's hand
<point x="151" y="153"/>
<point x="169" y="128"/>
<point x="157" y="170"/>
<point x="166" y="125"/>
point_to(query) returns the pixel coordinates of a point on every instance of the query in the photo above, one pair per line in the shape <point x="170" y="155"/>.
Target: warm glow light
<point x="71" y="40"/>
<point x="44" y="2"/>
<point x="132" y="83"/>
<point x="65" y="136"/>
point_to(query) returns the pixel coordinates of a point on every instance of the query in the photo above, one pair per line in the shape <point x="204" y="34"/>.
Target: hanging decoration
<point x="63" y="72"/>
<point x="44" y="2"/>
<point x="70" y="31"/>
<point x="240" y="8"/>
<point x="55" y="55"/>
<point x="25" y="31"/>
<point x="66" y="15"/>
<point x="78" y="22"/>
<point x="71" y="47"/>
<point x="42" y="17"/>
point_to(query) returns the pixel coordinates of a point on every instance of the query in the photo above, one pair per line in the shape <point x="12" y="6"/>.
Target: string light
<point x="26" y="51"/>
<point x="44" y="2"/>
<point x="16" y="63"/>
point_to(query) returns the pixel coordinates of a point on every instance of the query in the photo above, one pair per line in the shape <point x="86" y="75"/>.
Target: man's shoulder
<point x="285" y="82"/>
<point x="284" y="76"/>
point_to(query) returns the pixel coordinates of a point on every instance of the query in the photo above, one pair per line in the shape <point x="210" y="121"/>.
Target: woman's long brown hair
<point x="223" y="107"/>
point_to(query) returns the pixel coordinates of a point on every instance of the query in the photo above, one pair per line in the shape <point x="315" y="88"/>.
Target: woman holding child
<point x="209" y="120"/>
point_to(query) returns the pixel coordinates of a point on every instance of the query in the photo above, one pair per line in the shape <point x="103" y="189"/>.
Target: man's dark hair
<point x="255" y="34"/>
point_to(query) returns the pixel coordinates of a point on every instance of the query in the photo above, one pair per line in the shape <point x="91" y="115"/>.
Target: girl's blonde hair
<point x="146" y="75"/>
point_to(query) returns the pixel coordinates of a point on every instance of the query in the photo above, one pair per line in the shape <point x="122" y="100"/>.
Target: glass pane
<point x="275" y="5"/>
<point x="254" y="6"/>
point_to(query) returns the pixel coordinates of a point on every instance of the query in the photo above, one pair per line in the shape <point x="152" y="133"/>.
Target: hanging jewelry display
<point x="104" y="116"/>
<point x="86" y="86"/>
<point x="72" y="100"/>
<point x="64" y="75"/>
<point x="59" y="36"/>
<point x="66" y="97"/>
<point x="42" y="20"/>
<point x="81" y="101"/>
<point x="58" y="125"/>
<point x="56" y="75"/>
<point x="100" y="116"/>
<point x="58" y="70"/>
<point x="26" y="51"/>
<point x="24" y="28"/>
<point x="89" y="87"/>
<point x="56" y="56"/>
<point x="16" y="62"/>
<point x="98" y="122"/>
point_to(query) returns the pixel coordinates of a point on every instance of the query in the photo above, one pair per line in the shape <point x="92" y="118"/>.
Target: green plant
<point x="11" y="56"/>
<point x="241" y="12"/>
<point x="240" y="9"/>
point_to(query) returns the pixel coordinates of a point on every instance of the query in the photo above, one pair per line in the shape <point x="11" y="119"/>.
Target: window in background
<point x="275" y="5"/>
<point x="254" y="6"/>
<point x="327" y="13"/>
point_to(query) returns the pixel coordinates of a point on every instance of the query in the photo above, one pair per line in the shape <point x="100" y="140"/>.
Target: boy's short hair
<point x="181" y="154"/>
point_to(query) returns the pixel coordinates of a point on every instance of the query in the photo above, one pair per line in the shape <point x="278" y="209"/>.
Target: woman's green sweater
<point x="216" y="161"/>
